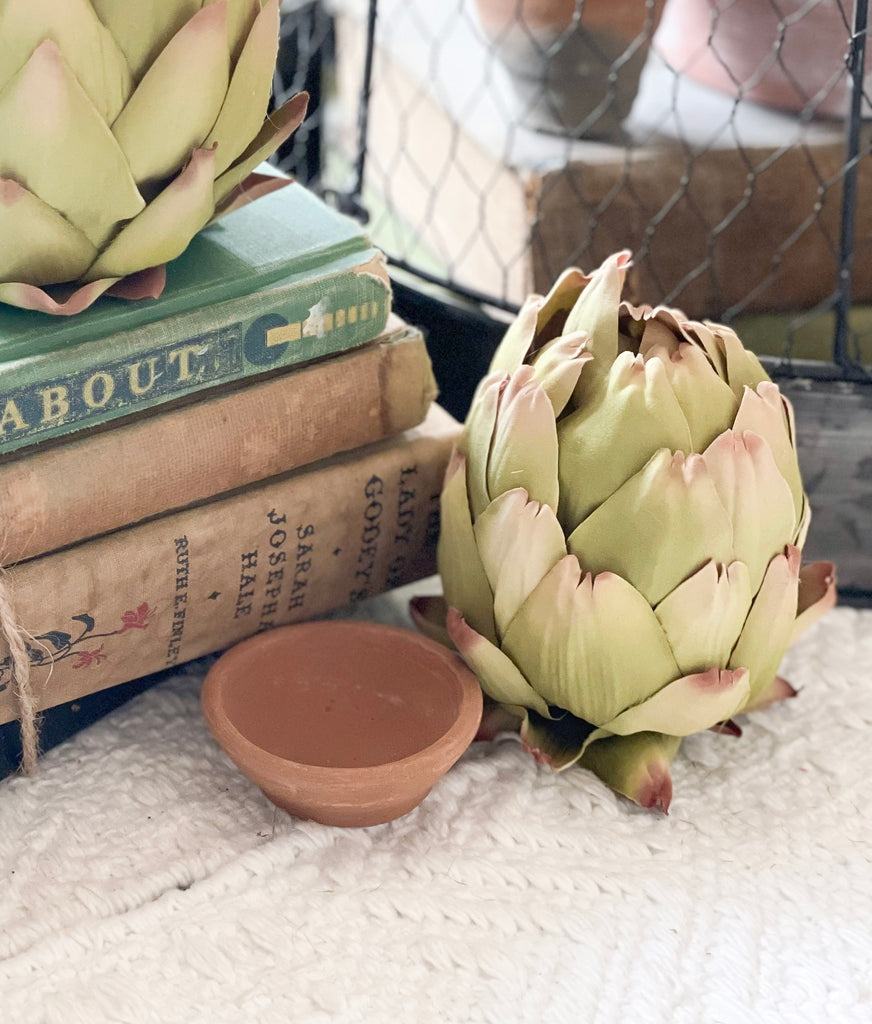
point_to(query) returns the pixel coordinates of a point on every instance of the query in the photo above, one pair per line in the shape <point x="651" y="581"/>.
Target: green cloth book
<point x="279" y="282"/>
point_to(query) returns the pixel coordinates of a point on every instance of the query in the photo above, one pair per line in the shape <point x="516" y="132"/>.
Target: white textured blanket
<point x="146" y="880"/>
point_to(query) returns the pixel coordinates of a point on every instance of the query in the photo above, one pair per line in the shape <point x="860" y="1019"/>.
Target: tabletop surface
<point x="146" y="880"/>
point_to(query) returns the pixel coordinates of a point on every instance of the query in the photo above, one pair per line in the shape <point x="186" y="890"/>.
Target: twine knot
<point x="15" y="639"/>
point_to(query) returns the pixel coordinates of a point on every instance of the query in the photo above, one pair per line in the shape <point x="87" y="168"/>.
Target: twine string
<point x="14" y="637"/>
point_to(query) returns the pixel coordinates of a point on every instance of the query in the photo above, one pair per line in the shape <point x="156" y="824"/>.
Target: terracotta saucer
<point x="343" y="722"/>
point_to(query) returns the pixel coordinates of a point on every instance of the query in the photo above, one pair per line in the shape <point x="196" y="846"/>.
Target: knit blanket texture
<point x="146" y="880"/>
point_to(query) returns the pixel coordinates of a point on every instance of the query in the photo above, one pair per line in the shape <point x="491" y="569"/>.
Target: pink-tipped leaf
<point x="658" y="528"/>
<point x="590" y="646"/>
<point x="816" y="595"/>
<point x="499" y="676"/>
<point x="636" y="766"/>
<point x="463" y="576"/>
<point x="614" y="434"/>
<point x="769" y="626"/>
<point x="165" y="118"/>
<point x="687" y="705"/>
<point x="518" y="541"/>
<point x="44" y="110"/>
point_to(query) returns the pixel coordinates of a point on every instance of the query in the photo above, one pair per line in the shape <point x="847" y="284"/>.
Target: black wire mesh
<point x="491" y="149"/>
<point x="305" y="59"/>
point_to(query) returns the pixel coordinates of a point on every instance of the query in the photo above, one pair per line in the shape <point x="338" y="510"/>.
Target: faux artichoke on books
<point x="124" y="129"/>
<point x="622" y="523"/>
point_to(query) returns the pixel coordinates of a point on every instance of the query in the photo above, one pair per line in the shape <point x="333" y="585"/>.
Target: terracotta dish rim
<point x="470" y="702"/>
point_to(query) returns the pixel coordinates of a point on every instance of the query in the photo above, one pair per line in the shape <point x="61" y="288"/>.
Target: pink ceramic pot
<point x="782" y="55"/>
<point x="343" y="722"/>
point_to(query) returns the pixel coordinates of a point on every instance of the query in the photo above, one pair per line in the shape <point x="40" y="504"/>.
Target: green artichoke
<point x="125" y="127"/>
<point x="622" y="523"/>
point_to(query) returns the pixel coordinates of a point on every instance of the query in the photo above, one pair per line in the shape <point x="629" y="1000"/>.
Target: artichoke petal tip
<point x="656" y="794"/>
<point x="727" y="728"/>
<point x="542" y="758"/>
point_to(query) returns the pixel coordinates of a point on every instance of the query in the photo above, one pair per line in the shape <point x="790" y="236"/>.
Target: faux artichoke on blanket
<point x="125" y="127"/>
<point x="622" y="524"/>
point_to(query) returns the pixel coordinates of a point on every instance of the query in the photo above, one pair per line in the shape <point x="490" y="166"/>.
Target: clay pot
<point x="343" y="722"/>
<point x="745" y="48"/>
<point x="574" y="64"/>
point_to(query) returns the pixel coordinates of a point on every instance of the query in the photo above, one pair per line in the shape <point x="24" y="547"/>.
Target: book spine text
<point x="59" y="495"/>
<point x="102" y="380"/>
<point x="155" y="595"/>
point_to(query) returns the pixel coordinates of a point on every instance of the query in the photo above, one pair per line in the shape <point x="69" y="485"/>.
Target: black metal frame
<point x="842" y="366"/>
<point x="856" y="68"/>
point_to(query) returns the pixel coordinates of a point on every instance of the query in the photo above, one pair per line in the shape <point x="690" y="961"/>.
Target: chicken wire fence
<point x="490" y="144"/>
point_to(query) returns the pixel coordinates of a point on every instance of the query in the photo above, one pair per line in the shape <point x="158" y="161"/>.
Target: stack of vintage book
<point x="258" y="446"/>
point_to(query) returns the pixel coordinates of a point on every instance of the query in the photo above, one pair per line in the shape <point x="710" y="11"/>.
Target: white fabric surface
<point x="147" y="880"/>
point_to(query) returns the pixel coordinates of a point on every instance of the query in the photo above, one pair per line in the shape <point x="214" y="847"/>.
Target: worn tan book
<point x="183" y="585"/>
<point x="57" y="495"/>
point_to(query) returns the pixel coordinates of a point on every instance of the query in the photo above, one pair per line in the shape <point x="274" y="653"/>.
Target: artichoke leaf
<point x="142" y="29"/>
<point x="678" y="524"/>
<point x="477" y="438"/>
<point x="632" y="320"/>
<point x="756" y="496"/>
<point x="703" y="616"/>
<point x="707" y="402"/>
<point x="255" y="186"/>
<point x="700" y="335"/>
<point x="157" y="146"/>
<point x="148" y="283"/>
<point x="499" y="676"/>
<point x="765" y="411"/>
<point x="428" y="613"/>
<point x="803" y="525"/>
<point x="769" y="626"/>
<point x="46" y="248"/>
<point x="661" y="334"/>
<point x="557" y="743"/>
<point x="249" y="91"/>
<point x="743" y="367"/>
<point x="816" y="595"/>
<point x="778" y="690"/>
<point x="43" y="109"/>
<point x="591" y="646"/>
<point x="516" y="343"/>
<point x="539" y="321"/>
<point x="30" y="296"/>
<point x="687" y="705"/>
<point x="498" y="718"/>
<point x="164" y="228"/>
<point x="279" y="126"/>
<point x="636" y="766"/>
<point x="557" y="305"/>
<point x="614" y="434"/>
<point x="519" y="541"/>
<point x="241" y="15"/>
<point x="596" y="312"/>
<point x="558" y="365"/>
<point x="463" y="575"/>
<point x="524" y="448"/>
<point x="88" y="47"/>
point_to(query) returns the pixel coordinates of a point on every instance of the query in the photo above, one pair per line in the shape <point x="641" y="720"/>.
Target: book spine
<point x="287" y="324"/>
<point x="155" y="595"/>
<point x="61" y="495"/>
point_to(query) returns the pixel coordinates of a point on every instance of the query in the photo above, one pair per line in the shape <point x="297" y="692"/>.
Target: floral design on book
<point x="56" y="644"/>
